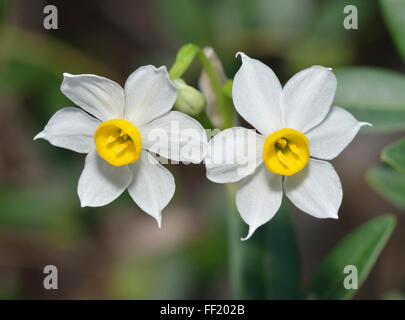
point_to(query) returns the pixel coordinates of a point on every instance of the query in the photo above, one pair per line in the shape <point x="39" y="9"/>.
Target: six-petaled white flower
<point x="298" y="129"/>
<point x="117" y="129"/>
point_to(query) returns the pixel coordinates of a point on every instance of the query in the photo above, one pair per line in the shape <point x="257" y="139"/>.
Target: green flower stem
<point x="184" y="58"/>
<point x="224" y="103"/>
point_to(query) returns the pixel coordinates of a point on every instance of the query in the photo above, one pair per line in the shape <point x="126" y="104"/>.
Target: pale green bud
<point x="189" y="100"/>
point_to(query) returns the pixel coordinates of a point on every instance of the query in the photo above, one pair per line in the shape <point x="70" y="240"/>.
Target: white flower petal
<point x="307" y="97"/>
<point x="149" y="93"/>
<point x="330" y="138"/>
<point x="233" y="154"/>
<point x="100" y="182"/>
<point x="259" y="197"/>
<point x="175" y="136"/>
<point x="70" y="128"/>
<point x="316" y="189"/>
<point x="153" y="185"/>
<point x="256" y="93"/>
<point x="99" y="96"/>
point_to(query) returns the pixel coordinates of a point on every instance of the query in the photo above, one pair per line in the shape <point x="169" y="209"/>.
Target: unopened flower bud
<point x="189" y="100"/>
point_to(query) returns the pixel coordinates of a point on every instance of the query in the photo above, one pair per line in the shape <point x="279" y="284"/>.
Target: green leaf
<point x="394" y="13"/>
<point x="266" y="266"/>
<point x="373" y="95"/>
<point x="394" y="155"/>
<point x="185" y="56"/>
<point x="388" y="183"/>
<point x="360" y="248"/>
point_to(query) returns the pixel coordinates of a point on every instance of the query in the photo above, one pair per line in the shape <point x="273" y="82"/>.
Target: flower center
<point x="118" y="142"/>
<point x="286" y="151"/>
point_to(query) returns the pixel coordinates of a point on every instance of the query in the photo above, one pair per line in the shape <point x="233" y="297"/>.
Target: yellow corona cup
<point x="118" y="142"/>
<point x="286" y="151"/>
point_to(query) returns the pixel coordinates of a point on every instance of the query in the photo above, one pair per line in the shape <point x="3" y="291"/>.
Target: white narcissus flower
<point x="117" y="129"/>
<point x="297" y="130"/>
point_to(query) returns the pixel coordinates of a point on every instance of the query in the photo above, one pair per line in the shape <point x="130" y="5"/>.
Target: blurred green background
<point x="117" y="251"/>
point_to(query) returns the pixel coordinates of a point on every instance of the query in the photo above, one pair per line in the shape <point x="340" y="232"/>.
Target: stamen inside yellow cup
<point x="286" y="152"/>
<point x="118" y="142"/>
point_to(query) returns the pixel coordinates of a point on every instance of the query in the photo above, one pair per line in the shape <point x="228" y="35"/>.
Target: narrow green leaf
<point x="394" y="13"/>
<point x="394" y="155"/>
<point x="185" y="56"/>
<point x="266" y="266"/>
<point x="373" y="95"/>
<point x="361" y="249"/>
<point x="388" y="183"/>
